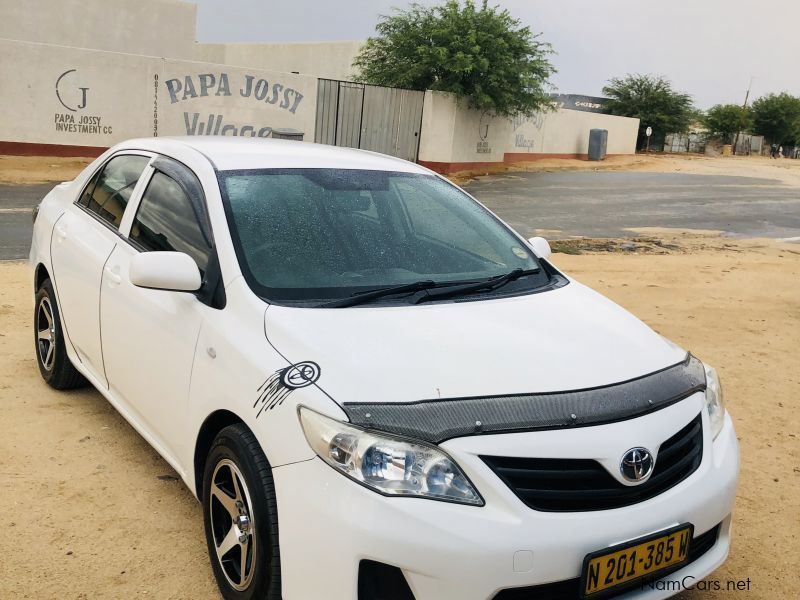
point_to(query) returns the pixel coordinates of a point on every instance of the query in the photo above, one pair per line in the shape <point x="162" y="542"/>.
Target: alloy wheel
<point x="232" y="524"/>
<point x="46" y="334"/>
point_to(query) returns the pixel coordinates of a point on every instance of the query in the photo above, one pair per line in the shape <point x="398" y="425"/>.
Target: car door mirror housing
<point x="173" y="271"/>
<point x="540" y="246"/>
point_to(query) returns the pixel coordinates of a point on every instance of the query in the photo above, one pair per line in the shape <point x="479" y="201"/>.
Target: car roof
<point x="232" y="153"/>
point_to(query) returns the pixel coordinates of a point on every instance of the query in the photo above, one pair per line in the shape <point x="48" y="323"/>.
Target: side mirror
<point x="173" y="271"/>
<point x="540" y="247"/>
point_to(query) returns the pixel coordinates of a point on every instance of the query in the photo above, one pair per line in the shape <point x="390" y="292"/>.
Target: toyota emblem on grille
<point x="636" y="464"/>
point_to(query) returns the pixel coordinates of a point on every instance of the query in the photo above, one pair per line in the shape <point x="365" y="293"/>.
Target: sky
<point x="708" y="48"/>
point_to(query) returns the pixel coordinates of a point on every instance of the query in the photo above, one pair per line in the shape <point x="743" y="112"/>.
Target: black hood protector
<point x="442" y="419"/>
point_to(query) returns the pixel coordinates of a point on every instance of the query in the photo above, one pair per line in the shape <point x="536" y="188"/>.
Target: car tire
<point x="48" y="335"/>
<point x="240" y="513"/>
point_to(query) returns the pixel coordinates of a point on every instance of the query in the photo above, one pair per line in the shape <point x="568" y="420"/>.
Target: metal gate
<point x="370" y="117"/>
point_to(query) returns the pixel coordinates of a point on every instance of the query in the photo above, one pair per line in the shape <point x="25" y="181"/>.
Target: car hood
<point x="564" y="339"/>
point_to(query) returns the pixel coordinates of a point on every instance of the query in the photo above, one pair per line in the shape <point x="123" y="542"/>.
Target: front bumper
<point x="328" y="523"/>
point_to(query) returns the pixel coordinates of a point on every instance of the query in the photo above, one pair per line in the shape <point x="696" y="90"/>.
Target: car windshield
<point x="305" y="235"/>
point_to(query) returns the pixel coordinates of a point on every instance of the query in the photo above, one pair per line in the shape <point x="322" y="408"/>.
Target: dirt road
<point x="88" y="510"/>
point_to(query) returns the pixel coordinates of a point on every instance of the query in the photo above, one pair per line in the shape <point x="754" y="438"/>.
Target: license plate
<point x="615" y="566"/>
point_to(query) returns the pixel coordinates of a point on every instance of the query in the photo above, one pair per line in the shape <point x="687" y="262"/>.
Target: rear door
<point x="83" y="239"/>
<point x="149" y="336"/>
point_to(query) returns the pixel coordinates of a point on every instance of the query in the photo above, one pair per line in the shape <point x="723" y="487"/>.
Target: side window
<point x="108" y="192"/>
<point x="166" y="221"/>
<point x="89" y="190"/>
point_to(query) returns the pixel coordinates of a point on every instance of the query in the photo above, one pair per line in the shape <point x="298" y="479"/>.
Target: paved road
<point x="16" y="203"/>
<point x="605" y="204"/>
<point x="591" y="204"/>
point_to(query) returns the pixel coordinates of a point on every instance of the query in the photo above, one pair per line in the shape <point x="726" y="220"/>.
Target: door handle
<point x="114" y="278"/>
<point x="61" y="231"/>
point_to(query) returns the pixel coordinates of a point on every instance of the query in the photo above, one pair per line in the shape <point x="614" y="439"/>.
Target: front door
<point x="83" y="239"/>
<point x="149" y="336"/>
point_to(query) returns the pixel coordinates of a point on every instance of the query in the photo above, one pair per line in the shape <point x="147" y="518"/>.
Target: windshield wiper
<point x="489" y="284"/>
<point x="452" y="289"/>
<point x="367" y="296"/>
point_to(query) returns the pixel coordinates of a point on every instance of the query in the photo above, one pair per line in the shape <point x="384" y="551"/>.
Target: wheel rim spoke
<point x="237" y="488"/>
<point x="243" y="546"/>
<point x="230" y="540"/>
<point x="226" y="501"/>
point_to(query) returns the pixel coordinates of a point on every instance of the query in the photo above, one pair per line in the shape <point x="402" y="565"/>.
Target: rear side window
<point x="166" y="221"/>
<point x="86" y="197"/>
<point x="108" y="192"/>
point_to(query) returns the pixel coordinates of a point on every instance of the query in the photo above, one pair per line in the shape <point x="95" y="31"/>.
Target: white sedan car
<point x="376" y="388"/>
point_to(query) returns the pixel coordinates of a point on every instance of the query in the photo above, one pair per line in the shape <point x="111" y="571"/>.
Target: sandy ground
<point x="40" y="169"/>
<point x="88" y="510"/>
<point x="785" y="170"/>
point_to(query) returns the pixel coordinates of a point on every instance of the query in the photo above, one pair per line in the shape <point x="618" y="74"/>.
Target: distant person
<point x="773" y="151"/>
<point x="780" y="152"/>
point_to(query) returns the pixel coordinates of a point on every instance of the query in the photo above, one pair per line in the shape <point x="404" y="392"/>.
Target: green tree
<point x="724" y="121"/>
<point x="477" y="52"/>
<point x="777" y="118"/>
<point x="652" y="100"/>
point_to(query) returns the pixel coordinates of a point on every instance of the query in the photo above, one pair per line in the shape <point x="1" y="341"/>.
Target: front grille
<point x="574" y="485"/>
<point x="570" y="589"/>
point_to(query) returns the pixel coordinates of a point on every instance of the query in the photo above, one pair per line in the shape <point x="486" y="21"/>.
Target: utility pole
<point x="746" y="98"/>
<point x="747" y="95"/>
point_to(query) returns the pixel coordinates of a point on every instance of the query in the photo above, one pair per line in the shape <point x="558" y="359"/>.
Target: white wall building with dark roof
<point x="78" y="76"/>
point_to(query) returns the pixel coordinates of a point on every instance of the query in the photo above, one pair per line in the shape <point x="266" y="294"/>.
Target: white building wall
<point x="90" y="73"/>
<point x="162" y="28"/>
<point x="453" y="133"/>
<point x="59" y="95"/>
<point x="94" y="99"/>
<point x="477" y="136"/>
<point x="455" y="137"/>
<point x="566" y="132"/>
<point x="212" y="53"/>
<point x="148" y="27"/>
<point x="329" y="60"/>
<point x="438" y="123"/>
<point x="207" y="99"/>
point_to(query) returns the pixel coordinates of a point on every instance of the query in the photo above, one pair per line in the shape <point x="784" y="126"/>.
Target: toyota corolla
<point x="377" y="389"/>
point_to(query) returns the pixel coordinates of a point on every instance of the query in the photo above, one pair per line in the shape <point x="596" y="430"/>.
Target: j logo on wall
<point x="67" y="99"/>
<point x="73" y="95"/>
<point x="483" y="133"/>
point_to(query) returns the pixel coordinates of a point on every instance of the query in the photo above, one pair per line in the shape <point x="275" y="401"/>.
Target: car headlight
<point x="389" y="465"/>
<point x="714" y="401"/>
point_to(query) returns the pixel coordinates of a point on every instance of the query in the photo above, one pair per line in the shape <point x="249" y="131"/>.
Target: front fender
<point x="237" y="370"/>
